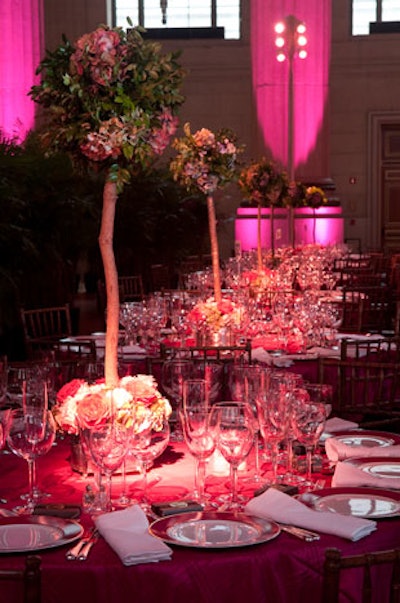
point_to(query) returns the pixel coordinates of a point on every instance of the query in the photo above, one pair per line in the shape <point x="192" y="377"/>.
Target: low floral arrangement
<point x="215" y="315"/>
<point x="263" y="183"/>
<point x="136" y="401"/>
<point x="205" y="161"/>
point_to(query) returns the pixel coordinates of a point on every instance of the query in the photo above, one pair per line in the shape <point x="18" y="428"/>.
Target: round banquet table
<point x="282" y="570"/>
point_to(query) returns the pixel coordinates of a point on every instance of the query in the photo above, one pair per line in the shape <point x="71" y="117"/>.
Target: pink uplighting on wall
<point x="20" y="54"/>
<point x="310" y="77"/>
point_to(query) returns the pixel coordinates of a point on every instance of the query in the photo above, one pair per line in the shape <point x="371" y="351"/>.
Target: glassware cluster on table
<point x="291" y="301"/>
<point x="264" y="413"/>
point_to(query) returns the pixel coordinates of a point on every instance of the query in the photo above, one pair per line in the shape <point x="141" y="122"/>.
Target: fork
<point x="85" y="550"/>
<point x="73" y="553"/>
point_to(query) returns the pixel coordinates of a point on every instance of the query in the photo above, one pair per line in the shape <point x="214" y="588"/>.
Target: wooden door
<point x="390" y="180"/>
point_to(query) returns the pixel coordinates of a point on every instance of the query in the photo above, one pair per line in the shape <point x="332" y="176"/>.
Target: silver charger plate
<point x="214" y="530"/>
<point x="384" y="467"/>
<point x="37" y="532"/>
<point x="370" y="503"/>
<point x="363" y="437"/>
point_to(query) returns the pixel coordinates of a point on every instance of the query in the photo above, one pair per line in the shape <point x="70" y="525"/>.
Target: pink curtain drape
<point x="310" y="77"/>
<point x="20" y="53"/>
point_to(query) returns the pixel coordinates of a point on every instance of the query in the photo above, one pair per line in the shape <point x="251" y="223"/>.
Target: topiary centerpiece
<point x="110" y="101"/>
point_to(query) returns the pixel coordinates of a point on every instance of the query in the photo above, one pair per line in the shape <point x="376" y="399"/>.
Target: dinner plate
<point x="214" y="530"/>
<point x="385" y="467"/>
<point x="35" y="533"/>
<point x="371" y="503"/>
<point x="369" y="439"/>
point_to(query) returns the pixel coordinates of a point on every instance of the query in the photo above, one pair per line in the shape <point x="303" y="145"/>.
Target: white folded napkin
<point x="337" y="450"/>
<point x="347" y="474"/>
<point x="324" y="352"/>
<point x="127" y="533"/>
<point x="132" y="350"/>
<point x="278" y="506"/>
<point x="335" y="424"/>
<point x="262" y="355"/>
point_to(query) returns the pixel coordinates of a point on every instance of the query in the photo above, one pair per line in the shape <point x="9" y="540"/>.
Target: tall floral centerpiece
<point x="264" y="184"/>
<point x="205" y="162"/>
<point x="110" y="101"/>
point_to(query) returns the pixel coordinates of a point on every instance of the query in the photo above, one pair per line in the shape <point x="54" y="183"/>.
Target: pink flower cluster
<point x="98" y="51"/>
<point x="160" y="137"/>
<point x="135" y="402"/>
<point x="215" y="314"/>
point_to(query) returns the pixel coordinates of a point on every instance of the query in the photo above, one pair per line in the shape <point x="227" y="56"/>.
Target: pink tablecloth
<point x="284" y="570"/>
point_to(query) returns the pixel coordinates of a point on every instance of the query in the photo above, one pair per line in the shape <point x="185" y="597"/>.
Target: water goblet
<point x="232" y="423"/>
<point x="246" y="382"/>
<point x="174" y="373"/>
<point x="308" y="420"/>
<point x="29" y="440"/>
<point x="108" y="446"/>
<point x="198" y="437"/>
<point x="146" y="445"/>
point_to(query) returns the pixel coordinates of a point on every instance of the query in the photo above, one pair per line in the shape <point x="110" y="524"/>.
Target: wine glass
<point x="174" y="373"/>
<point x="195" y="424"/>
<point x="108" y="446"/>
<point x="308" y="421"/>
<point x="146" y="445"/>
<point x="233" y="425"/>
<point x="29" y="438"/>
<point x="246" y="382"/>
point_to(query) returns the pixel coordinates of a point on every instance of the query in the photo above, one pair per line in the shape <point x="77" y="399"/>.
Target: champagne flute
<point x="198" y="437"/>
<point x="232" y="423"/>
<point x="23" y="440"/>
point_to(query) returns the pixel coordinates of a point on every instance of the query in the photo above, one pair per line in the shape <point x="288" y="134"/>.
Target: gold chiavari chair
<point x="29" y="577"/>
<point x="373" y="565"/>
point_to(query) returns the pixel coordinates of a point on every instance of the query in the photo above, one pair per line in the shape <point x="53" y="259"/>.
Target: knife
<point x="73" y="553"/>
<point x="85" y="550"/>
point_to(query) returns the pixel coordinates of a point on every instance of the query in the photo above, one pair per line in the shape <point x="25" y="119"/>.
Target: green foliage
<point x="110" y="100"/>
<point x="264" y="183"/>
<point x="205" y="161"/>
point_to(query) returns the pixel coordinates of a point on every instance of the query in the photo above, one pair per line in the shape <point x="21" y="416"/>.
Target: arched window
<point x="375" y="16"/>
<point x="182" y="18"/>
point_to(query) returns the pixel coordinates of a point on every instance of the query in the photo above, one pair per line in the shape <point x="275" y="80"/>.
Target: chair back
<point x="131" y="288"/>
<point x="374" y="349"/>
<point x="373" y="567"/>
<point x="29" y="577"/>
<point x="364" y="391"/>
<point x="42" y="326"/>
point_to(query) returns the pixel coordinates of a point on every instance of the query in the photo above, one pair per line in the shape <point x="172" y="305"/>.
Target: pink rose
<point x="93" y="410"/>
<point x="69" y="390"/>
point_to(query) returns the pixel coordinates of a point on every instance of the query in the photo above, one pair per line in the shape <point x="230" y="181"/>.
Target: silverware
<point x="85" y="550"/>
<point x="301" y="533"/>
<point x="73" y="553"/>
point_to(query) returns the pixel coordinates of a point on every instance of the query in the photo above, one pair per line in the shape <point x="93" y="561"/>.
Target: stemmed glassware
<point x="146" y="445"/>
<point x="196" y="430"/>
<point x="233" y="426"/>
<point x="29" y="437"/>
<point x="108" y="446"/>
<point x="308" y="421"/>
<point x="246" y="382"/>
<point x="174" y="373"/>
